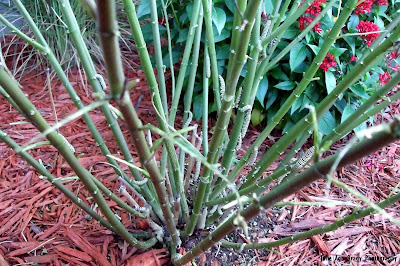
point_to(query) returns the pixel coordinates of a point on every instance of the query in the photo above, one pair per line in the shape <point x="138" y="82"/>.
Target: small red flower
<point x="304" y="21"/>
<point x="353" y="58"/>
<point x="162" y="22"/>
<point x="364" y="7"/>
<point x="381" y="2"/>
<point x="328" y="62"/>
<point x="365" y="27"/>
<point x="384" y="78"/>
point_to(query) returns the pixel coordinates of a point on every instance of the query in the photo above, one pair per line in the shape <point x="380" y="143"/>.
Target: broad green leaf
<point x="219" y="18"/>
<point x="337" y="51"/>
<point x="278" y="74"/>
<point x="348" y="111"/>
<point x="297" y="55"/>
<point x="290" y="33"/>
<point x="327" y="124"/>
<point x="262" y="90"/>
<point x="353" y="22"/>
<point x="220" y="37"/>
<point x="231" y="5"/>
<point x="330" y="81"/>
<point x="143" y="8"/>
<point x="286" y="85"/>
<point x="314" y="48"/>
<point x="296" y="105"/>
<point x="272" y="95"/>
<point x="351" y="41"/>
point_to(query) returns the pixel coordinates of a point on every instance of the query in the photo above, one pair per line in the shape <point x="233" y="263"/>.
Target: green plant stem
<point x="316" y="231"/>
<point x="105" y="12"/>
<point x="207" y="7"/>
<point x="289" y="102"/>
<point x="8" y="98"/>
<point x="171" y="62"/>
<point x="146" y="159"/>
<point x="190" y="85"/>
<point x="55" y="181"/>
<point x="31" y="113"/>
<point x="158" y="55"/>
<point x="225" y="111"/>
<point x="90" y="71"/>
<point x="177" y="177"/>
<point x="259" y="185"/>
<point x="204" y="119"/>
<point x="185" y="60"/>
<point x="281" y="14"/>
<point x="245" y="99"/>
<point x="386" y="135"/>
<point x="109" y="40"/>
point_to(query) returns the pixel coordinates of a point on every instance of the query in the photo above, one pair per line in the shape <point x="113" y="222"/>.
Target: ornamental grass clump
<point x="196" y="187"/>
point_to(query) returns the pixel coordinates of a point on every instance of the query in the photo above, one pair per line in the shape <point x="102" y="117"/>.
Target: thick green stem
<point x="109" y="40"/>
<point x="158" y="54"/>
<point x="385" y="136"/>
<point x="106" y="11"/>
<point x="190" y="85"/>
<point x="194" y="24"/>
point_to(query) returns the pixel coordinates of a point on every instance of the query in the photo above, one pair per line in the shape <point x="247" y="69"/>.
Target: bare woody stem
<point x="388" y="134"/>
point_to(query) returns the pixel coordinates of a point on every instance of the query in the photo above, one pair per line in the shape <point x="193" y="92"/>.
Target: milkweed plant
<point x="195" y="184"/>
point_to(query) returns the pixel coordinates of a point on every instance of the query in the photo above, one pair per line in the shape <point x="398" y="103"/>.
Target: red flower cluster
<point x="365" y="27"/>
<point x="328" y="62"/>
<point x="384" y="78"/>
<point x="364" y="8"/>
<point x="311" y="12"/>
<point x="381" y="2"/>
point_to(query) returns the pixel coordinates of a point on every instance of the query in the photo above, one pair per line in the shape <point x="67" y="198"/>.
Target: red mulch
<point x="38" y="224"/>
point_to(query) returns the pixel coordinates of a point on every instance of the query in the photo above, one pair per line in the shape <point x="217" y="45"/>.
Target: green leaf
<point x="220" y="37"/>
<point x="286" y="85"/>
<point x="290" y="33"/>
<point x="296" y="105"/>
<point x="351" y="41"/>
<point x="348" y="111"/>
<point x="262" y="90"/>
<point x="198" y="106"/>
<point x="231" y="5"/>
<point x="272" y="95"/>
<point x="337" y="51"/>
<point x="314" y="48"/>
<point x="297" y="55"/>
<point x="327" y="124"/>
<point x="353" y="22"/>
<point x="183" y="34"/>
<point x="143" y="9"/>
<point x="359" y="90"/>
<point x="278" y="74"/>
<point x="330" y="81"/>
<point x="268" y="6"/>
<point x="257" y="116"/>
<point x="219" y="18"/>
